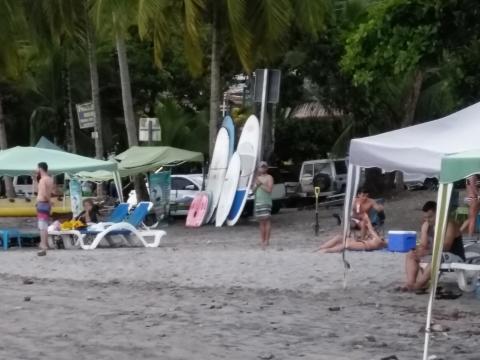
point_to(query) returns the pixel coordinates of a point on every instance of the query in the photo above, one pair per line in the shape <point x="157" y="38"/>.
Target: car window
<point x="24" y="180"/>
<point x="307" y="170"/>
<point x="340" y="167"/>
<point x="324" y="168"/>
<point x="181" y="183"/>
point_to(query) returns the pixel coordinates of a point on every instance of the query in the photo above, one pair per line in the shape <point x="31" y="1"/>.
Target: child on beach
<point x="262" y="189"/>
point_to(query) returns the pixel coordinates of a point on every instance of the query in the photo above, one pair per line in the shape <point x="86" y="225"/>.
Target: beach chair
<point x="70" y="237"/>
<point x="467" y="272"/>
<point x="129" y="230"/>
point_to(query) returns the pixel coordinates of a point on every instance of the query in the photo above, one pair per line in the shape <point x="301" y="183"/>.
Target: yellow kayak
<point x="22" y="208"/>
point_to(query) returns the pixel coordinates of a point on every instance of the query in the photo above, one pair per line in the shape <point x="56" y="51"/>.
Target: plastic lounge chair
<point x="118" y="214"/>
<point x="468" y="273"/>
<point x="130" y="228"/>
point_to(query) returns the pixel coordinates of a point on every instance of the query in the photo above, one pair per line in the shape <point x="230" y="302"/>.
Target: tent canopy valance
<point x="20" y="160"/>
<point x="460" y="166"/>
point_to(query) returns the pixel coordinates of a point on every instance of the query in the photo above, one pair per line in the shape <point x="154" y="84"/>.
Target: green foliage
<point x="399" y="36"/>
<point x="182" y="128"/>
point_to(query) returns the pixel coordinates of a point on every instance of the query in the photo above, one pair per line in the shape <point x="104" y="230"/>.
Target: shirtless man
<point x="361" y="207"/>
<point x="45" y="190"/>
<point x="416" y="277"/>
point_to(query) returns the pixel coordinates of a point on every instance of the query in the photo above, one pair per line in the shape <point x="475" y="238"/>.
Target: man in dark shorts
<point x="44" y="195"/>
<point x="416" y="277"/>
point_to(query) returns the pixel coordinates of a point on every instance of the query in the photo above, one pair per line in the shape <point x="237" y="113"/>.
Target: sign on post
<point x="86" y="115"/>
<point x="149" y="130"/>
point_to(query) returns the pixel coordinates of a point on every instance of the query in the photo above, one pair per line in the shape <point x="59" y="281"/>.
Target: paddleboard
<point x="217" y="170"/>
<point x="228" y="190"/>
<point x="198" y="209"/>
<point x="247" y="150"/>
<point x="228" y="124"/>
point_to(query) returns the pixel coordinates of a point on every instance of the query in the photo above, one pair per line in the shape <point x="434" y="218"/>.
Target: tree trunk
<point x="139" y="183"/>
<point x="214" y="80"/>
<point x="69" y="112"/>
<point x="126" y="92"/>
<point x="412" y="100"/>
<point x="92" y="62"/>
<point x="9" y="189"/>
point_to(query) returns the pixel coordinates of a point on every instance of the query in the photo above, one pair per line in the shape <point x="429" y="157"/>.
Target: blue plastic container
<point x="402" y="241"/>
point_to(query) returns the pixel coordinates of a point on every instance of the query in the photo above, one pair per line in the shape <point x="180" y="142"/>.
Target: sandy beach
<point x="213" y="294"/>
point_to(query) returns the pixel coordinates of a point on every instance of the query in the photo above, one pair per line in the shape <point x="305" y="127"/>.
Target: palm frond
<point x="242" y="37"/>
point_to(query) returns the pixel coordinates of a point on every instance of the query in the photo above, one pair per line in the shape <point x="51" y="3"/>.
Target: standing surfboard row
<point x="229" y="176"/>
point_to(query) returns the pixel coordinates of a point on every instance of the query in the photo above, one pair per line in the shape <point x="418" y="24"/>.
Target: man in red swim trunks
<point x="45" y="190"/>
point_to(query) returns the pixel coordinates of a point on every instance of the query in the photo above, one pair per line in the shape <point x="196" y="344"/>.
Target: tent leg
<point x="441" y="221"/>
<point x="118" y="185"/>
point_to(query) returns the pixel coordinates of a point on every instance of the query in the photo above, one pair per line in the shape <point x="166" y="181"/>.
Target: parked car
<point x="328" y="174"/>
<point x="23" y="185"/>
<point x="182" y="191"/>
<point x="184" y="188"/>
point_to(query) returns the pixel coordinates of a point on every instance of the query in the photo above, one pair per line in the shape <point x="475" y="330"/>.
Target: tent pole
<point x="441" y="222"/>
<point x="353" y="178"/>
<point x="118" y="184"/>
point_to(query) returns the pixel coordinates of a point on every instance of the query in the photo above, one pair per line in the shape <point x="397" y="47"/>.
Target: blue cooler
<point x="402" y="241"/>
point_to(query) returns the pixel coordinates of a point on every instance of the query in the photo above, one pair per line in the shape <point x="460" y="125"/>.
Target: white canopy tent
<point x="417" y="149"/>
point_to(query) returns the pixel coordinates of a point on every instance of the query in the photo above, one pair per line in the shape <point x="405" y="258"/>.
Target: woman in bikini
<point x="371" y="241"/>
<point x="473" y="202"/>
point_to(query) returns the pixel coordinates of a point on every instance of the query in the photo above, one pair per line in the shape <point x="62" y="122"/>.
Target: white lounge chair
<point x="127" y="230"/>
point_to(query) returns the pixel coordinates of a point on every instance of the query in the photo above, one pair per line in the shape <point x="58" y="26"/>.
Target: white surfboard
<point x="247" y="150"/>
<point x="228" y="190"/>
<point x="217" y="170"/>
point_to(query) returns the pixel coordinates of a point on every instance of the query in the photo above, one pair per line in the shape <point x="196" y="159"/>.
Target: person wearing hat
<point x="262" y="189"/>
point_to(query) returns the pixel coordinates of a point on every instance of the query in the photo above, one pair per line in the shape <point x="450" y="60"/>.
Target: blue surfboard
<point x="230" y="127"/>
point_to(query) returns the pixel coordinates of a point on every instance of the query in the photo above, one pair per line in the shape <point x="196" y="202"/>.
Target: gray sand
<point x="213" y="294"/>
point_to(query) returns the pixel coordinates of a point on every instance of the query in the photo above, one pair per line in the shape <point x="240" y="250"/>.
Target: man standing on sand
<point x="262" y="189"/>
<point x="44" y="195"/>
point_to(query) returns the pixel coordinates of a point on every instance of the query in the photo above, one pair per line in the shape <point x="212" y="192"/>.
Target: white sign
<point x="86" y="115"/>
<point x="149" y="130"/>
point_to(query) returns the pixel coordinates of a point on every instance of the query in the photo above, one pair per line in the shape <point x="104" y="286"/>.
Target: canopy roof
<point x="24" y="160"/>
<point x="44" y="143"/>
<point x="419" y="149"/>
<point x="142" y="159"/>
<point x="460" y="166"/>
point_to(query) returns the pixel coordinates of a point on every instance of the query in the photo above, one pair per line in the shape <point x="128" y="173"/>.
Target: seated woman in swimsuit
<point x="89" y="214"/>
<point x="371" y="241"/>
<point x="473" y="202"/>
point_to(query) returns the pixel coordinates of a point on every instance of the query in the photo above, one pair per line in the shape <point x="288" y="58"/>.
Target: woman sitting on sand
<point x="89" y="214"/>
<point x="371" y="241"/>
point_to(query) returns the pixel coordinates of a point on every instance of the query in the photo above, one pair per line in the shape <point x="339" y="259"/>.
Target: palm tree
<point x="116" y="16"/>
<point x="65" y="27"/>
<point x="258" y="30"/>
<point x="12" y="63"/>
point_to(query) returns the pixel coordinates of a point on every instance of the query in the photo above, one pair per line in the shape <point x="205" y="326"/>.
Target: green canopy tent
<point x="453" y="168"/>
<point x="143" y="159"/>
<point x="20" y="160"/>
<point x="44" y="143"/>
